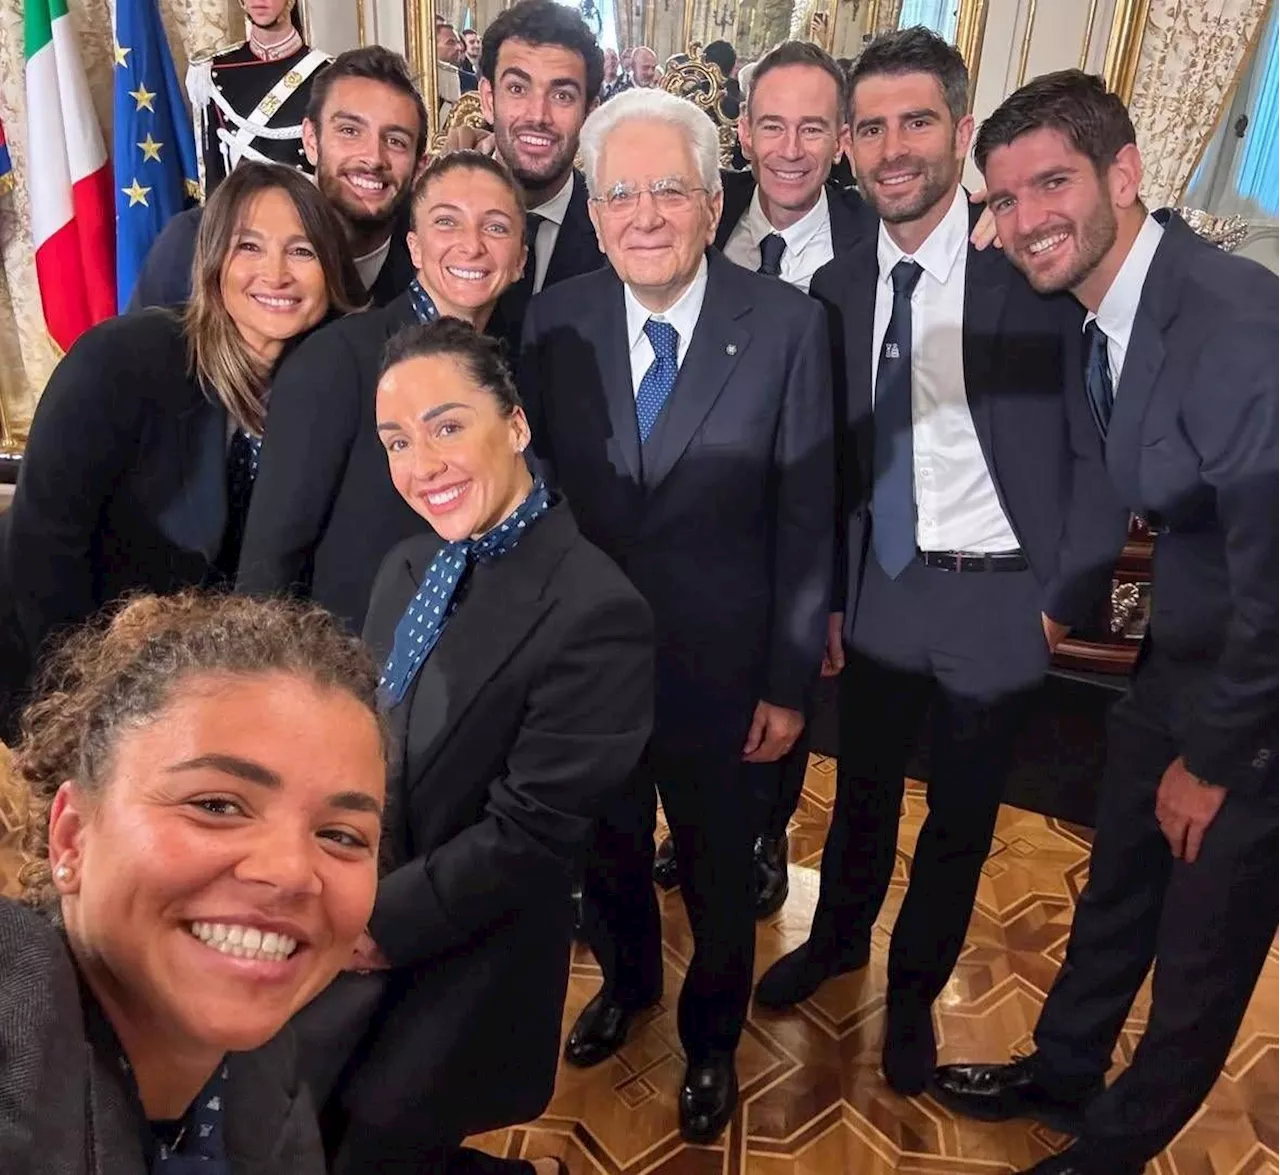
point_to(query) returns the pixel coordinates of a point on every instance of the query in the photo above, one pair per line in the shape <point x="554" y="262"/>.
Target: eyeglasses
<point x="669" y="195"/>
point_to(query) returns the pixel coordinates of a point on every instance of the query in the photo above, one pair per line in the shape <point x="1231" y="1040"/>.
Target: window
<point x="1240" y="171"/>
<point x="938" y="15"/>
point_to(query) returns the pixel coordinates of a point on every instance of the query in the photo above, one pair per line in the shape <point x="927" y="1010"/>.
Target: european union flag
<point x="155" y="150"/>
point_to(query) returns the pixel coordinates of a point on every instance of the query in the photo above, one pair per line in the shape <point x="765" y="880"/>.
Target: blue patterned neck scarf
<point x="428" y="612"/>
<point x="199" y="1147"/>
<point x="421" y="301"/>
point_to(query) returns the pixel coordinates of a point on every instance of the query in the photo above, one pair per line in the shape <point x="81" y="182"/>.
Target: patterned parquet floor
<point x="813" y="1101"/>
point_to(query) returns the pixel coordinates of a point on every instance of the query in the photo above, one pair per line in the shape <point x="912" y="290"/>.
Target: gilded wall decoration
<point x="27" y="355"/>
<point x="1191" y="56"/>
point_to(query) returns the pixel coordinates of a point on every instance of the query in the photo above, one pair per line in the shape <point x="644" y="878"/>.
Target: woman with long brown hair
<point x="198" y="795"/>
<point x="143" y="449"/>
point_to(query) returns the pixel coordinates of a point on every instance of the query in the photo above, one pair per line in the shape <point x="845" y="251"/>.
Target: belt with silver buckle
<point x="975" y="560"/>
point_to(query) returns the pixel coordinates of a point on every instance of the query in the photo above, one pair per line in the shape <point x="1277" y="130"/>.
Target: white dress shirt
<point x="552" y="213"/>
<point x="1119" y="305"/>
<point x="682" y="314"/>
<point x="808" y="241"/>
<point x="370" y="265"/>
<point x="957" y="508"/>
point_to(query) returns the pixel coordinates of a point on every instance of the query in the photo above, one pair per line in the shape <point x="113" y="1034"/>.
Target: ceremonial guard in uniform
<point x="249" y="99"/>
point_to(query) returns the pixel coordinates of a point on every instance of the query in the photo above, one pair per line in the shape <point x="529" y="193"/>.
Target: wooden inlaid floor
<point x="813" y="1101"/>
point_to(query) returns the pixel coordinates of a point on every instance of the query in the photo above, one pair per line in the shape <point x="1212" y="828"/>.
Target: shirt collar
<point x="682" y="313"/>
<point x="798" y="235"/>
<point x="554" y="209"/>
<point x="941" y="248"/>
<point x="1119" y="306"/>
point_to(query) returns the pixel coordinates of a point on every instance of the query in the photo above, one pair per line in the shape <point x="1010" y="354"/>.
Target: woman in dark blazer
<point x="142" y="452"/>
<point x="177" y="912"/>
<point x="518" y="678"/>
<point x="325" y="514"/>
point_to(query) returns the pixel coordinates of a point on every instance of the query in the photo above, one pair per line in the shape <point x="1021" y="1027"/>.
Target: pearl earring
<point x="62" y="873"/>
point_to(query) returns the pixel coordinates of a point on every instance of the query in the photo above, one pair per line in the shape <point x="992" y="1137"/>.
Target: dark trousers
<point x="372" y="1149"/>
<point x="775" y="787"/>
<point x="1206" y="926"/>
<point x="968" y="647"/>
<point x="713" y="831"/>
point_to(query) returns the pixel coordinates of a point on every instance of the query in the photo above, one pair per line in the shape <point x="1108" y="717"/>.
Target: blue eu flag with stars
<point x="155" y="150"/>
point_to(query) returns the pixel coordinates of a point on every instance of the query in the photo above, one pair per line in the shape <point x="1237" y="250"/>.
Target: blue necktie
<point x="1097" y="377"/>
<point x="893" y="498"/>
<point x="423" y="306"/>
<point x="772" y="248"/>
<point x="424" y="620"/>
<point x="660" y="380"/>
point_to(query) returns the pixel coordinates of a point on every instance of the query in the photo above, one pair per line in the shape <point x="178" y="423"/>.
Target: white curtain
<point x="938" y="15"/>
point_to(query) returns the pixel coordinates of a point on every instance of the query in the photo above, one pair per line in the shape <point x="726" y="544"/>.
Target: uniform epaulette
<point x="207" y="55"/>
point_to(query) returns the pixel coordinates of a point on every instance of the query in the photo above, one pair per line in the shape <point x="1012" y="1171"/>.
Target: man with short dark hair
<point x="541" y="71"/>
<point x="972" y="535"/>
<point x="364" y="133"/>
<point x="1180" y="380"/>
<point x="724" y="57"/>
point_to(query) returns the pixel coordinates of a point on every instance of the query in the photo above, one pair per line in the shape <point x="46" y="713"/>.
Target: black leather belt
<point x="966" y="561"/>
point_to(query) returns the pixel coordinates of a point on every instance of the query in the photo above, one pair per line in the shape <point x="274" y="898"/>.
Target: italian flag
<point x="69" y="179"/>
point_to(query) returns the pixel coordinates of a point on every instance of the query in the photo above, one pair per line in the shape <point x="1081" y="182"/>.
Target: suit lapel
<point x="504" y="601"/>
<point x="739" y="187"/>
<point x="846" y="225"/>
<point x="986" y="286"/>
<point x="615" y="376"/>
<point x="856" y="308"/>
<point x="202" y="439"/>
<point x="576" y="251"/>
<point x="719" y="341"/>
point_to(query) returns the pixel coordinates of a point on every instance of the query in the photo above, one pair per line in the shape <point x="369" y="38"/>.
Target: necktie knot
<point x="772" y="248"/>
<point x="664" y="338"/>
<point x="904" y="276"/>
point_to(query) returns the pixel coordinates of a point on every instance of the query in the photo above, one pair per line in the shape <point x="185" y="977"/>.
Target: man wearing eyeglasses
<point x="683" y="405"/>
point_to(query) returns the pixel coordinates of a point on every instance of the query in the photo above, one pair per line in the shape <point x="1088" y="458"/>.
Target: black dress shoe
<point x="664" y="864"/>
<point x="772" y="885"/>
<point x="707" y="1100"/>
<point x="994" y="1093"/>
<point x="1069" y="1164"/>
<point x="910" y="1047"/>
<point x="797" y="976"/>
<point x="600" y="1031"/>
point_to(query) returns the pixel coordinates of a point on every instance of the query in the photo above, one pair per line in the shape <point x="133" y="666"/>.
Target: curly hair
<point x="121" y="672"/>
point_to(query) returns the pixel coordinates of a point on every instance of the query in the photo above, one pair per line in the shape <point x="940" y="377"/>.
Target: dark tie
<point x="1097" y="376"/>
<point x="660" y="379"/>
<point x="772" y="248"/>
<point x="424" y="619"/>
<point x="893" y="499"/>
<point x="524" y="287"/>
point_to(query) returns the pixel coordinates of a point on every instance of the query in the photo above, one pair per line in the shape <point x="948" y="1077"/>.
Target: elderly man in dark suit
<point x="683" y="405"/>
<point x="1181" y="381"/>
<point x="975" y="529"/>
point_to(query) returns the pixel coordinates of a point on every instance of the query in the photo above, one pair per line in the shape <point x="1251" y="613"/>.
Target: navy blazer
<point x="850" y="215"/>
<point x="722" y="518"/>
<point x="123" y="484"/>
<point x="1023" y="357"/>
<point x="577" y="251"/>
<point x="324" y="513"/>
<point x="1192" y="446"/>
<point x="520" y="728"/>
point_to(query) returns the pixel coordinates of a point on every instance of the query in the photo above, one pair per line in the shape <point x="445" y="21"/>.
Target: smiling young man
<point x="541" y="71"/>
<point x="1180" y="379"/>
<point x="364" y="133"/>
<point x="969" y="536"/>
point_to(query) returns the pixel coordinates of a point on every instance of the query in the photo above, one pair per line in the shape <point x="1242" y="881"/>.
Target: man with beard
<point x="1180" y="376"/>
<point x="644" y="68"/>
<point x="249" y="99"/>
<point x="364" y="133"/>
<point x="974" y="529"/>
<point x="469" y="66"/>
<point x="540" y="72"/>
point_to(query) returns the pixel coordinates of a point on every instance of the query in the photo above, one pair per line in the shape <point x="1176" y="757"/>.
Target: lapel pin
<point x="731" y="349"/>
